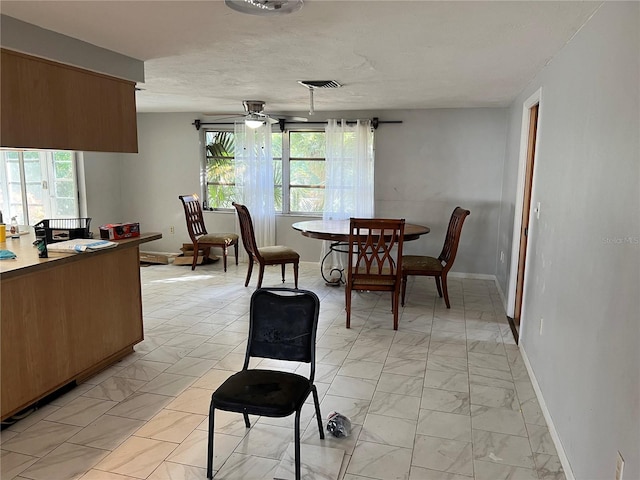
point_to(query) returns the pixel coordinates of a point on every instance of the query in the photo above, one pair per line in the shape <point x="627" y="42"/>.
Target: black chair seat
<point x="262" y="392"/>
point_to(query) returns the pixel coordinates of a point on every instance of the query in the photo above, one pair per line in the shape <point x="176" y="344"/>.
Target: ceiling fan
<point x="254" y="115"/>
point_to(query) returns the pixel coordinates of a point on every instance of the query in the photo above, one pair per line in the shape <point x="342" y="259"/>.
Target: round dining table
<point x="337" y="232"/>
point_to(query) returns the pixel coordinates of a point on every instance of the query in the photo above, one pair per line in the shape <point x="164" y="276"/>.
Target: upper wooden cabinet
<point x="54" y="106"/>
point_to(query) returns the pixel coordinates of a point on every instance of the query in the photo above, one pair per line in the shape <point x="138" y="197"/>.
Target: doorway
<point x="523" y="210"/>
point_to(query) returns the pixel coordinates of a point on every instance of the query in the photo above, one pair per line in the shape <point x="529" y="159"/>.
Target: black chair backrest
<point x="283" y="324"/>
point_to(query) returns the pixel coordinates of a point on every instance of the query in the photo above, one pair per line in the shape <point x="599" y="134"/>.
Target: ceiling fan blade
<point x="289" y="118"/>
<point x="224" y="114"/>
<point x="254" y="110"/>
<point x="218" y="117"/>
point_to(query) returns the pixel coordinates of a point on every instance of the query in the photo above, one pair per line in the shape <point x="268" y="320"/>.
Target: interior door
<point x="526" y="207"/>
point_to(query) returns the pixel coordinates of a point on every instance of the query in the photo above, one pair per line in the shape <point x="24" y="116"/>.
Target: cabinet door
<point x="66" y="322"/>
<point x="54" y="106"/>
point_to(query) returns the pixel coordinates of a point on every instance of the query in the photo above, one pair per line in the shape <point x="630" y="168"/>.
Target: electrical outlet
<point x="619" y="466"/>
<point x="541" y="324"/>
<point x="172" y="229"/>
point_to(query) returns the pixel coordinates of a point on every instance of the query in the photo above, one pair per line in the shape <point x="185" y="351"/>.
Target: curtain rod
<point x="374" y="123"/>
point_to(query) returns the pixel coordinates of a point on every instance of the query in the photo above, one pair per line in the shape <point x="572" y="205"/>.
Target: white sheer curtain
<point x="254" y="179"/>
<point x="349" y="176"/>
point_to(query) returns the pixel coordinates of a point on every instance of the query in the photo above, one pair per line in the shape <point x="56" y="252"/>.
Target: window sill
<point x="295" y="215"/>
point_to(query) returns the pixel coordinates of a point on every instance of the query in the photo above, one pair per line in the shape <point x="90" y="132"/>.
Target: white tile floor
<point x="446" y="397"/>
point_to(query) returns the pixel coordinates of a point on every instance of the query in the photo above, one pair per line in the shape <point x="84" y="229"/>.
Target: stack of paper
<point x="80" y="245"/>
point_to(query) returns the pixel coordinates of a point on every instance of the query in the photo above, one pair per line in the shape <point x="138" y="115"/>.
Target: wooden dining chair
<point x="437" y="267"/>
<point x="270" y="255"/>
<point x="200" y="238"/>
<point x="375" y="260"/>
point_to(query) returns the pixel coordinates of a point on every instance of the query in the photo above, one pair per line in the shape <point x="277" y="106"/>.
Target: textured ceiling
<point x="201" y="56"/>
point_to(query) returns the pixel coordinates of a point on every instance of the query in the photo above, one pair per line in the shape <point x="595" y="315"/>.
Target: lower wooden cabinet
<point x="66" y="321"/>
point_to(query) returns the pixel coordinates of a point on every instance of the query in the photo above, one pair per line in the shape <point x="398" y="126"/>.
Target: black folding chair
<point x="282" y="326"/>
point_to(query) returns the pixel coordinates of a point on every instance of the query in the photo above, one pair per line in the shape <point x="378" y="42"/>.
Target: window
<point x="306" y="172"/>
<point x="220" y="172"/>
<point x="299" y="170"/>
<point x="38" y="184"/>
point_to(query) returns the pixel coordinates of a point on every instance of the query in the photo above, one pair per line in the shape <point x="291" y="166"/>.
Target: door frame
<point x="534" y="99"/>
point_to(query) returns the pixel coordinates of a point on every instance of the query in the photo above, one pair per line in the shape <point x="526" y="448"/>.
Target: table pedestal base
<point x="331" y="281"/>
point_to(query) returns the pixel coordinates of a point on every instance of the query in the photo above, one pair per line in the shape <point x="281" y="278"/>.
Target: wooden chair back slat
<point x="375" y="259"/>
<point x="246" y="230"/>
<point x="193" y="215"/>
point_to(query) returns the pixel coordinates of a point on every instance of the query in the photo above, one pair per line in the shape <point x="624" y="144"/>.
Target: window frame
<point x="48" y="184"/>
<point x="205" y="181"/>
<point x="303" y="129"/>
<point x="285" y="167"/>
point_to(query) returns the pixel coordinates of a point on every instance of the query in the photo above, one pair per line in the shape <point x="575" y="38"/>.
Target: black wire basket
<point x="61" y="229"/>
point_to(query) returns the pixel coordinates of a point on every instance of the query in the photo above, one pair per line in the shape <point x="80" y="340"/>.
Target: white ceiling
<point x="201" y="56"/>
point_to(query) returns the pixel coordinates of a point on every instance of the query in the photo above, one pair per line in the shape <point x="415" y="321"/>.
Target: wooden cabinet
<point x="54" y="106"/>
<point x="66" y="317"/>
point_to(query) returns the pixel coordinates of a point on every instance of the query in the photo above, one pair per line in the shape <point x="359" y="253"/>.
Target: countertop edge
<point x="9" y="270"/>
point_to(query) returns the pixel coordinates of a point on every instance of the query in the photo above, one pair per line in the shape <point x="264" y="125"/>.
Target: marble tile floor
<point x="446" y="397"/>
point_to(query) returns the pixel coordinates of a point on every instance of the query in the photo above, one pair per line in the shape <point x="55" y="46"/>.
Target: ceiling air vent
<point x="311" y="85"/>
<point x="319" y="83"/>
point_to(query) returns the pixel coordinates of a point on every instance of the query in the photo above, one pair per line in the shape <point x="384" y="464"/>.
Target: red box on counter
<point x="117" y="231"/>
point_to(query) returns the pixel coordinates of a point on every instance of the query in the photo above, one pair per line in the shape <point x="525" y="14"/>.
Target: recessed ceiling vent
<point x="319" y="83"/>
<point x="311" y="85"/>
<point x="265" y="7"/>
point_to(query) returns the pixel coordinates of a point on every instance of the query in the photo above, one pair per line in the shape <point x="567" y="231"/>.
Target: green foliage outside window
<point x="306" y="170"/>
<point x="220" y="169"/>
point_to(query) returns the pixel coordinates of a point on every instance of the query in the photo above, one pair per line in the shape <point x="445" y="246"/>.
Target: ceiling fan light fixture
<point x="253" y="121"/>
<point x="265" y="7"/>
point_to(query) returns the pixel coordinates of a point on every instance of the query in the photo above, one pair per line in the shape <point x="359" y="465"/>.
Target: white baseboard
<point x="475" y="276"/>
<point x="564" y="460"/>
<point x="502" y="296"/>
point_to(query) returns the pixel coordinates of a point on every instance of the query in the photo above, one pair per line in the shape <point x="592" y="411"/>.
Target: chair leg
<point x="246" y="420"/>
<point x="210" y="443"/>
<point x="438" y="286"/>
<point x="404" y="288"/>
<point x="347" y="302"/>
<point x="297" y="446"/>
<point x="282" y="269"/>
<point x="224" y="257"/>
<point x="235" y="247"/>
<point x="394" y="306"/>
<point x="195" y="256"/>
<point x="318" y="415"/>
<point x="295" y="274"/>
<point x="246" y="283"/>
<point x="260" y="275"/>
<point x="446" y="292"/>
